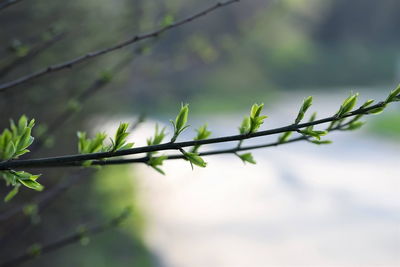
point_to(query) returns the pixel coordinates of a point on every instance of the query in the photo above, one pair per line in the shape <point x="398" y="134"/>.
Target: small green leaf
<point x="247" y="157"/>
<point x="245" y="126"/>
<point x="255" y="119"/>
<point x="284" y="137"/>
<point x="180" y="121"/>
<point x="32" y="184"/>
<point x="347" y="106"/>
<point x="167" y="20"/>
<point x="394" y="95"/>
<point x="158" y="137"/>
<point x="12" y="193"/>
<point x="304" y="107"/>
<point x="367" y="103"/>
<point x="74" y="105"/>
<point x="202" y="133"/>
<point x="324" y="142"/>
<point x="376" y="111"/>
<point x="106" y="76"/>
<point x="154" y="162"/>
<point x="354" y="126"/>
<point x="194" y="158"/>
<point x="35" y="250"/>
<point x="315" y="134"/>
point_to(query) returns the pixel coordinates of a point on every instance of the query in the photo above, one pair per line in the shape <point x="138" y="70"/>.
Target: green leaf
<point x="394" y="95"/>
<point x="180" y="121"/>
<point x="106" y="76"/>
<point x="194" y="158"/>
<point x="318" y="142"/>
<point x="284" y="137"/>
<point x="315" y="134"/>
<point x="32" y="184"/>
<point x="367" y="103"/>
<point x="354" y="126"/>
<point x="154" y="162"/>
<point x="158" y="137"/>
<point x="255" y="119"/>
<point x="376" y="111"/>
<point x="202" y="133"/>
<point x="9" y="151"/>
<point x="167" y="20"/>
<point x="245" y="126"/>
<point x="120" y="136"/>
<point x="12" y="193"/>
<point x="247" y="157"/>
<point x="35" y="250"/>
<point x="73" y="105"/>
<point x="347" y="106"/>
<point x="304" y="107"/>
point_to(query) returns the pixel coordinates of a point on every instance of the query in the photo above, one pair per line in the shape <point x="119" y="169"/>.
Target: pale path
<point x="302" y="204"/>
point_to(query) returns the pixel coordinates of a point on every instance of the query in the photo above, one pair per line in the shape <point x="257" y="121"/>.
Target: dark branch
<point x="73" y="238"/>
<point x="90" y="55"/>
<point x="8" y="3"/>
<point x="207" y="153"/>
<point x="75" y="159"/>
<point x="33" y="53"/>
<point x="83" y="96"/>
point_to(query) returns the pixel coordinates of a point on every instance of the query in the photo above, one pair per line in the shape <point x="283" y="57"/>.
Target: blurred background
<point x="302" y="204"/>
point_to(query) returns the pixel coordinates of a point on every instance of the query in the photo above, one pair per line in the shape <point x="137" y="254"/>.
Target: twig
<point x="207" y="153"/>
<point x="31" y="54"/>
<point x="67" y="160"/>
<point x="73" y="238"/>
<point x="8" y="3"/>
<point x="134" y="39"/>
<point x="83" y="96"/>
<point x="44" y="198"/>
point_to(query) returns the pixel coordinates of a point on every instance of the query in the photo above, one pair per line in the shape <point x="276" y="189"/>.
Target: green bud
<point x="394" y="95"/>
<point x="367" y="104"/>
<point x="247" y="157"/>
<point x="304" y="107"/>
<point x="284" y="137"/>
<point x="154" y="162"/>
<point x="324" y="142"/>
<point x="255" y="119"/>
<point x="347" y="105"/>
<point x="180" y="121"/>
<point x="194" y="158"/>
<point x="245" y="126"/>
<point x="12" y="193"/>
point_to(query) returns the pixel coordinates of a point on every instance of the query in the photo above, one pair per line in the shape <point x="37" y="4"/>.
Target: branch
<point x="70" y="159"/>
<point x="233" y="150"/>
<point x="33" y="53"/>
<point x="73" y="238"/>
<point x="8" y="3"/>
<point x="45" y="198"/>
<point x="90" y="55"/>
<point x="207" y="153"/>
<point x="83" y="96"/>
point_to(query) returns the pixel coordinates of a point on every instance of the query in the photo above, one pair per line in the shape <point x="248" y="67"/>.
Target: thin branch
<point x="8" y="3"/>
<point x="73" y="238"/>
<point x="67" y="160"/>
<point x="83" y="96"/>
<point x="90" y="55"/>
<point x="31" y="54"/>
<point x="43" y="199"/>
<point x="207" y="153"/>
